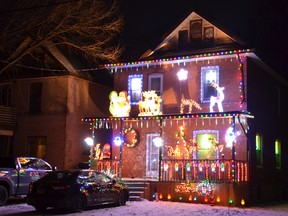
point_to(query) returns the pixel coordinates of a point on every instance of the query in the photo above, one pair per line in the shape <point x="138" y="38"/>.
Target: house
<point x="200" y="117"/>
<point x="41" y="108"/>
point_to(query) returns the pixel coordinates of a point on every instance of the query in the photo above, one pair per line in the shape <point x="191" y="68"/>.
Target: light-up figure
<point x="220" y="97"/>
<point x="230" y="137"/>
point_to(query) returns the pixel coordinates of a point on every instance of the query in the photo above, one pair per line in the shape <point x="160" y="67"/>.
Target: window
<point x="278" y="153"/>
<point x="156" y="83"/>
<point x="5" y="95"/>
<point x="135" y="88"/>
<point x="259" y="151"/>
<point x="183" y="40"/>
<point x="195" y="30"/>
<point x="209" y="75"/>
<point x="208" y="33"/>
<point x="35" y="98"/>
<point x="152" y="156"/>
<point x="36" y="146"/>
<point x="205" y="145"/>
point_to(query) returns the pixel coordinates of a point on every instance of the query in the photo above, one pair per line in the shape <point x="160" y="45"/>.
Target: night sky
<point x="263" y="24"/>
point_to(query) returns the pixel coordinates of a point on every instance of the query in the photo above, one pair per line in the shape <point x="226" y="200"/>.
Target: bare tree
<point x="88" y="26"/>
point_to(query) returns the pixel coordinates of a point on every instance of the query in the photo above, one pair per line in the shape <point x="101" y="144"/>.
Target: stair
<point x="136" y="188"/>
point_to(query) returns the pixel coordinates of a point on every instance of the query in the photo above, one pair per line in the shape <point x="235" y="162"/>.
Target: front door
<point x="152" y="157"/>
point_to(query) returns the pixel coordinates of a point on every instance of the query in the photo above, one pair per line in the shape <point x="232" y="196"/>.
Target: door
<point x="152" y="157"/>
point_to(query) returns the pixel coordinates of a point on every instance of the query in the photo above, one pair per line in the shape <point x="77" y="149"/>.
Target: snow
<point x="154" y="208"/>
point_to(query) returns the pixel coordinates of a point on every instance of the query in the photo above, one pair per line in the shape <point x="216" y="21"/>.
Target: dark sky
<point x="263" y="24"/>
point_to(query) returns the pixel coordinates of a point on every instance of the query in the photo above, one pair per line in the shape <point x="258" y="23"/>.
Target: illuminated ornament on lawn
<point x="119" y="105"/>
<point x="130" y="137"/>
<point x="230" y="137"/>
<point x="218" y="99"/>
<point x="204" y="188"/>
<point x="150" y="105"/>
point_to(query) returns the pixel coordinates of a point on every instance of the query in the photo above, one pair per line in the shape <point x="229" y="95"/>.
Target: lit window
<point x="209" y="75"/>
<point x="259" y="152"/>
<point x="278" y="153"/>
<point x="36" y="146"/>
<point x="204" y="140"/>
<point x="135" y="88"/>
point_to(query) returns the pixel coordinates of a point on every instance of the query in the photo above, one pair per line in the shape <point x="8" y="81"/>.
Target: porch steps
<point x="136" y="188"/>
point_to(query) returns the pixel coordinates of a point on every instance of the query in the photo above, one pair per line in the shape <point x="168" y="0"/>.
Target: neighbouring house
<point x="200" y="117"/>
<point x="41" y="108"/>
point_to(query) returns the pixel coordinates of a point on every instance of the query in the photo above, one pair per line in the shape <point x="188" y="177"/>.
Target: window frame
<point x="204" y="71"/>
<point x="130" y="90"/>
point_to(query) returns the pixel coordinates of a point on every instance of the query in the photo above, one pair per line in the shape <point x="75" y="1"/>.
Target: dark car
<point x="76" y="190"/>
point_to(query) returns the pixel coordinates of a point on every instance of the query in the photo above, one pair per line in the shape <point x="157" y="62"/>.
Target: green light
<point x="230" y="201"/>
<point x="180" y="198"/>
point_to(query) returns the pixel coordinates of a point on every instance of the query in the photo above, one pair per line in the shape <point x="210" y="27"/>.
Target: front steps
<point x="137" y="188"/>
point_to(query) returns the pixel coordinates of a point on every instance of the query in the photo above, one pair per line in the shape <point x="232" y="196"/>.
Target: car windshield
<point x="60" y="177"/>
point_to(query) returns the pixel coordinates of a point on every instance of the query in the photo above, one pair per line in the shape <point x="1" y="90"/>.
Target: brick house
<point x="41" y="109"/>
<point x="219" y="111"/>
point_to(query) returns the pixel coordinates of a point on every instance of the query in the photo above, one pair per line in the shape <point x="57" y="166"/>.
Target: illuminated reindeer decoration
<point x="151" y="104"/>
<point x="218" y="99"/>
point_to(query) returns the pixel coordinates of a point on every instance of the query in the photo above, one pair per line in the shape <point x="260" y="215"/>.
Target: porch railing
<point x="176" y="170"/>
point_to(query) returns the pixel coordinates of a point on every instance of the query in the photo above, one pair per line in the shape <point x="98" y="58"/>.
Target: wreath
<point x="130" y="137"/>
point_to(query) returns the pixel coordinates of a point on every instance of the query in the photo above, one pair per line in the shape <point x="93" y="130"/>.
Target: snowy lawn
<point x="161" y="208"/>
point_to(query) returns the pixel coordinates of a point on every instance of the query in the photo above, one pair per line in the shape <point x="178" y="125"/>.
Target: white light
<point x="158" y="142"/>
<point x="182" y="74"/>
<point x="89" y="141"/>
<point x="117" y="141"/>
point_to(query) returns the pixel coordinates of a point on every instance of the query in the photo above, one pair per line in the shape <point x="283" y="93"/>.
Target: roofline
<point x="179" y="59"/>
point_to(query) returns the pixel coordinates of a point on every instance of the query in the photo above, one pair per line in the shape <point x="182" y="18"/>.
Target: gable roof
<point x="194" y="35"/>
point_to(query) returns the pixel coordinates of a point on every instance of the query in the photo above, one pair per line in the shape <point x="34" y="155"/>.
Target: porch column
<point x="121" y="149"/>
<point x="160" y="148"/>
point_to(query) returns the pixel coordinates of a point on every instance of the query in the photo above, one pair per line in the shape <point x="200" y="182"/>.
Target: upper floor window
<point x="183" y="39"/>
<point x="259" y="150"/>
<point x="209" y="75"/>
<point x="278" y="153"/>
<point x="156" y="83"/>
<point x="195" y="30"/>
<point x="5" y="95"/>
<point x="35" y="98"/>
<point x="135" y="84"/>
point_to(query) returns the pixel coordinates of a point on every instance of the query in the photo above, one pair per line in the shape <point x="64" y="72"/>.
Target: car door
<point x="109" y="191"/>
<point x="30" y="170"/>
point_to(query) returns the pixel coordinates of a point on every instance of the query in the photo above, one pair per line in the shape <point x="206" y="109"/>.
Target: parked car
<point x="17" y="172"/>
<point x="76" y="189"/>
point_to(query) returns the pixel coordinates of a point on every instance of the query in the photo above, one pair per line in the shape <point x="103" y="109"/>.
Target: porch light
<point x="117" y="141"/>
<point x="90" y="142"/>
<point x="182" y="74"/>
<point x="158" y="141"/>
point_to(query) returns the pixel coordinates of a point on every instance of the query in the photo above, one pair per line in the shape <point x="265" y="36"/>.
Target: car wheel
<point x="80" y="203"/>
<point x="40" y="208"/>
<point x="121" y="199"/>
<point x="3" y="195"/>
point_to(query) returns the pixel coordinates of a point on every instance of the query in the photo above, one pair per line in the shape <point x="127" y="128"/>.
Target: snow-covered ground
<point x="161" y="208"/>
